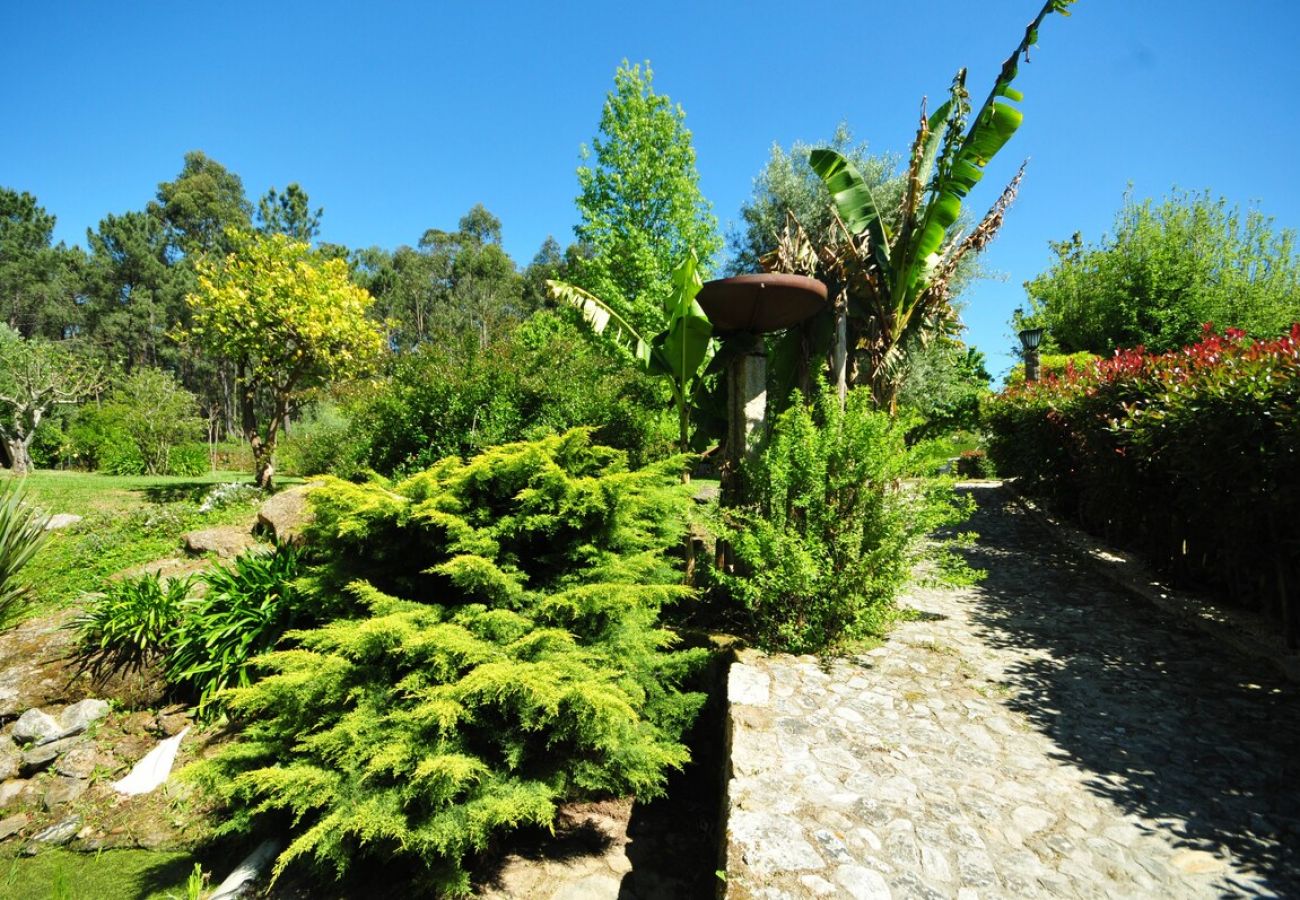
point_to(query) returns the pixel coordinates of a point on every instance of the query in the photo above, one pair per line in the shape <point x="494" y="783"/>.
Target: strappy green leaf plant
<point x="896" y="283"/>
<point x="680" y="353"/>
<point x="22" y="531"/>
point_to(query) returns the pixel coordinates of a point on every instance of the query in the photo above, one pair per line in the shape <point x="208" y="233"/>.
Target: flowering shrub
<point x="1189" y="457"/>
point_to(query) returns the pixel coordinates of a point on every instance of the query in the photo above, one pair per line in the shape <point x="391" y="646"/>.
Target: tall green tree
<point x="788" y="186"/>
<point x="1169" y="268"/>
<point x="289" y="214"/>
<point x="37" y="280"/>
<point x="202" y="205"/>
<point x="134" y="292"/>
<point x="639" y="205"/>
<point x="456" y="285"/>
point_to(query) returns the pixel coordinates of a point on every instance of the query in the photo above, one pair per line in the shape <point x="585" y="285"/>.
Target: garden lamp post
<point x="1030" y="338"/>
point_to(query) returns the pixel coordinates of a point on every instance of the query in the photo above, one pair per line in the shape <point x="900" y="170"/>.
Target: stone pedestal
<point x="746" y="403"/>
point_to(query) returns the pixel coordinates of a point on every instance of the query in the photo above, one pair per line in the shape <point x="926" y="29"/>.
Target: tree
<point x="902" y="277"/>
<point x="156" y="413"/>
<point x="35" y="376"/>
<point x="135" y="294"/>
<point x="1169" y="268"/>
<point x="37" y="282"/>
<point x="548" y="265"/>
<point x="457" y="285"/>
<point x="640" y="208"/>
<point x="287" y="321"/>
<point x="787" y="186"/>
<point x="289" y="214"/>
<point x="202" y="205"/>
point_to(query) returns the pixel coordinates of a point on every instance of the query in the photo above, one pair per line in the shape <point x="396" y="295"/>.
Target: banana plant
<point x="680" y="353"/>
<point x="896" y="282"/>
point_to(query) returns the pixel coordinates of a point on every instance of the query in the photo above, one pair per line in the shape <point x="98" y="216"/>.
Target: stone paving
<point x="1040" y="734"/>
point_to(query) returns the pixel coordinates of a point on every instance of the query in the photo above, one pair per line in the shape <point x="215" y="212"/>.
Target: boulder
<point x="62" y="791"/>
<point x="224" y="541"/>
<point x="61" y="520"/>
<point x="284" y="515"/>
<point x="34" y="726"/>
<point x="56" y="835"/>
<point x="81" y="762"/>
<point x="12" y="825"/>
<point x="82" y="714"/>
<point x="13" y="791"/>
<point x="39" y="757"/>
<point x="10" y="758"/>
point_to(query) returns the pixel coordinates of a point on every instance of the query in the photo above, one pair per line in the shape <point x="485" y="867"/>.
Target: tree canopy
<point x="35" y="376"/>
<point x="639" y="205"/>
<point x="1169" y="268"/>
<point x="287" y="320"/>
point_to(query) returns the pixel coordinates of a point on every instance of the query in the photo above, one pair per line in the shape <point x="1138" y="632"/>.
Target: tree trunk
<point x="263" y="449"/>
<point x="20" y="459"/>
<point x="263" y="463"/>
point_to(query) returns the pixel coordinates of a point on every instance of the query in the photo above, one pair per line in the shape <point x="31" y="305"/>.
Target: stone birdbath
<point x="745" y="308"/>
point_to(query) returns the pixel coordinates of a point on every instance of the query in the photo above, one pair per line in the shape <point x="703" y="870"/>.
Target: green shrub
<point x="544" y="377"/>
<point x="188" y="460"/>
<point x="245" y="610"/>
<point x="130" y="623"/>
<point x="502" y="655"/>
<point x="832" y="530"/>
<point x="323" y="442"/>
<point x="22" y="531"/>
<point x="156" y="414"/>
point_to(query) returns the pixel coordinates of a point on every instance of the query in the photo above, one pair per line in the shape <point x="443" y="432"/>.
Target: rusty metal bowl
<point x="761" y="303"/>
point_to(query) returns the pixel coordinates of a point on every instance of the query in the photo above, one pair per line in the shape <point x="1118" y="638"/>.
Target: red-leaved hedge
<point x="1189" y="458"/>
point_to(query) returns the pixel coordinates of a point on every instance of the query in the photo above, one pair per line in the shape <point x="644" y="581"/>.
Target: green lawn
<point x="127" y="521"/>
<point x="55" y="874"/>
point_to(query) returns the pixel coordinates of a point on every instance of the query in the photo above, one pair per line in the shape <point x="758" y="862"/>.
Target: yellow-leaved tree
<point x="287" y="320"/>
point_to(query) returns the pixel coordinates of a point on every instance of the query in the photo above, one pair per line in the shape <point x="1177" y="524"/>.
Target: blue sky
<point x="397" y="117"/>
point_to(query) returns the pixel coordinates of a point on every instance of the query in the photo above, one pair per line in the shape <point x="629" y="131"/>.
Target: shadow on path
<point x="1173" y="727"/>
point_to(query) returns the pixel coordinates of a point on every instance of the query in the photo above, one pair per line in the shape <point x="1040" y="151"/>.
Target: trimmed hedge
<point x="1187" y="457"/>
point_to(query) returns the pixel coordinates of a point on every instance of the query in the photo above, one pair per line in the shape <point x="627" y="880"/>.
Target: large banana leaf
<point x="683" y="348"/>
<point x="601" y="317"/>
<point x="853" y="200"/>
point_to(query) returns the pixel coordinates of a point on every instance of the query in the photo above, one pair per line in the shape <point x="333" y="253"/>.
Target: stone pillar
<point x="746" y="402"/>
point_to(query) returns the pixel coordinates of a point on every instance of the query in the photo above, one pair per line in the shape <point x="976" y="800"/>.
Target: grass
<point x="55" y="874"/>
<point x="127" y="521"/>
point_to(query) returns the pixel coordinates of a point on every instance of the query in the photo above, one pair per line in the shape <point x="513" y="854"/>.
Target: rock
<point x="63" y="791"/>
<point x="12" y="825"/>
<point x="284" y="515"/>
<point x="56" y="835"/>
<point x="81" y="715"/>
<point x="172" y="724"/>
<point x="225" y="541"/>
<point x="10" y="758"/>
<point x="80" y="762"/>
<point x="13" y="791"/>
<point x="61" y="520"/>
<point x="862" y="883"/>
<point x="35" y="725"/>
<point x="38" y="758"/>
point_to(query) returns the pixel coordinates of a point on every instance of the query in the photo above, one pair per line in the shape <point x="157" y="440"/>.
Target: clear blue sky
<point x="397" y="117"/>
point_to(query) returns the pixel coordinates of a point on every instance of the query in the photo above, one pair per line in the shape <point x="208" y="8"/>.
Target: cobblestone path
<point x="1040" y="734"/>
